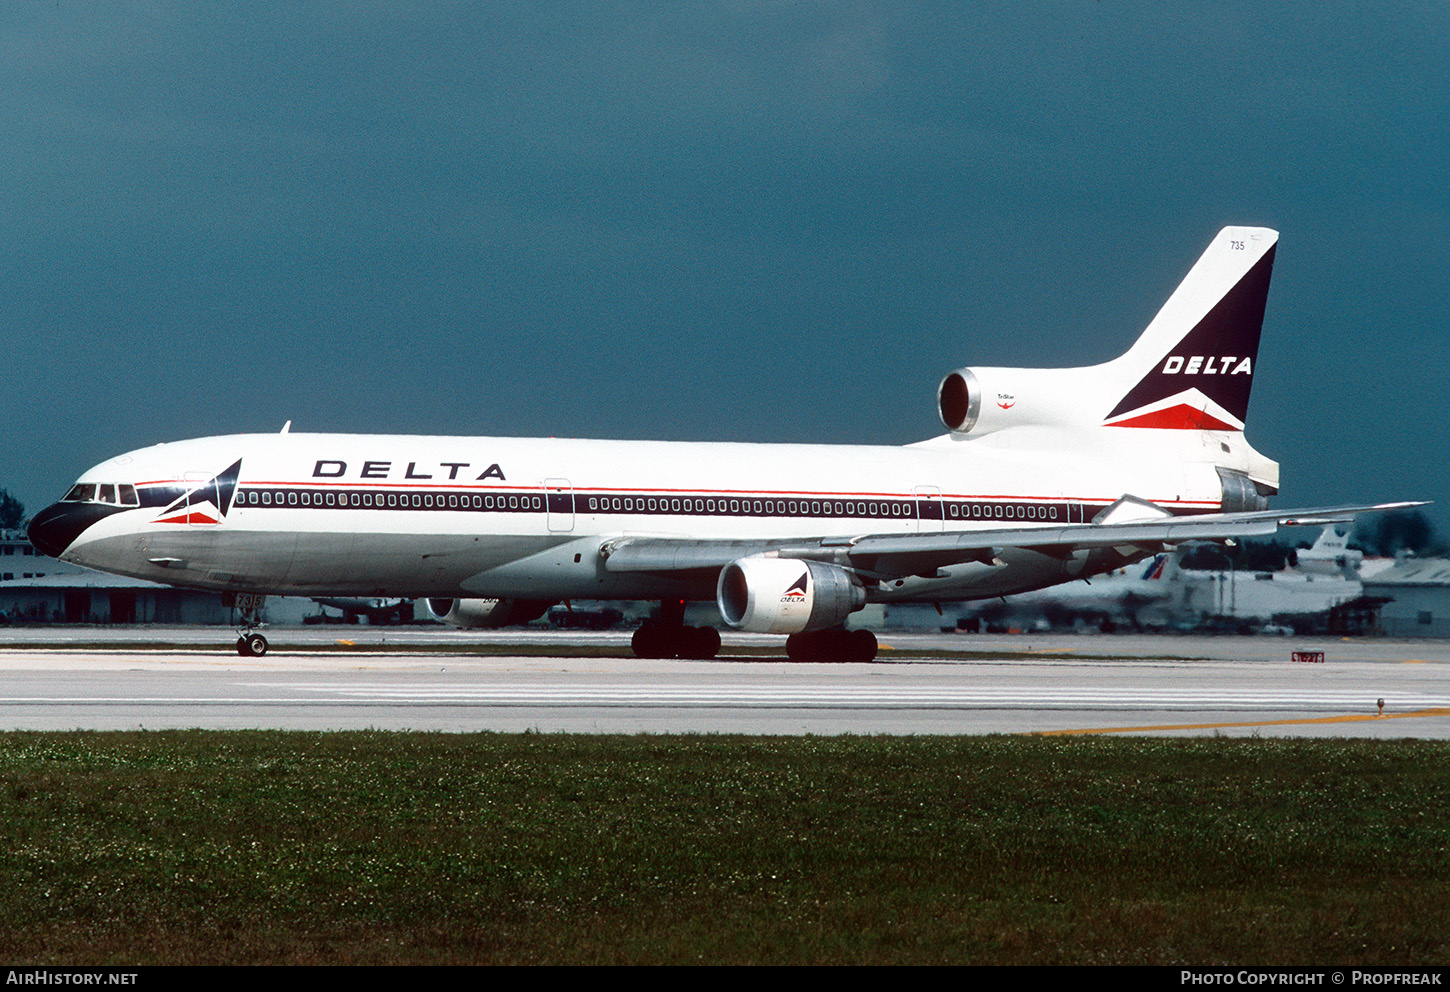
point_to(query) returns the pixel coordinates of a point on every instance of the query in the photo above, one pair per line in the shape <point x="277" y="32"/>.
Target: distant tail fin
<point x="1330" y="541"/>
<point x="1194" y="365"/>
<point x="1154" y="571"/>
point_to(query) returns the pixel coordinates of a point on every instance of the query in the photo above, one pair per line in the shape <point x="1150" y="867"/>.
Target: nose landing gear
<point x="250" y="644"/>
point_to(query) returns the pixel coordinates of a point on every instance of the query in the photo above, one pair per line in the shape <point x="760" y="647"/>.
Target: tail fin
<point x="1190" y="370"/>
<point x="1331" y="542"/>
<point x="1331" y="555"/>
<point x="1194" y="365"/>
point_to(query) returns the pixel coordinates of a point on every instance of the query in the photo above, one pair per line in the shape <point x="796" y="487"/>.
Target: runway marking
<point x="1348" y="718"/>
<point x="733" y="695"/>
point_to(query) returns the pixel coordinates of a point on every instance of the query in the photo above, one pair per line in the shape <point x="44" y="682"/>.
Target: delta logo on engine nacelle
<point x="797" y="592"/>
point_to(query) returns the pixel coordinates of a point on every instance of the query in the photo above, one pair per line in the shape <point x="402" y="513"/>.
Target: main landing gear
<point x="837" y="644"/>
<point x="250" y="644"/>
<point x="666" y="636"/>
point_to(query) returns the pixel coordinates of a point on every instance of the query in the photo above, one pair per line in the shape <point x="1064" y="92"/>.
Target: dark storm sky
<point x="742" y="221"/>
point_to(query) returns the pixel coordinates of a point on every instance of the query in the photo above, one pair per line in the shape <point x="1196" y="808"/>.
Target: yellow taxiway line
<point x="1350" y="718"/>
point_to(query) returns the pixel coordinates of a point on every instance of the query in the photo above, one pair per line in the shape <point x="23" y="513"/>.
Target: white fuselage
<point x="550" y="519"/>
<point x="389" y="515"/>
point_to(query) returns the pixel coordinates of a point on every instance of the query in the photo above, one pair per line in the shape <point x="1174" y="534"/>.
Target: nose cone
<point x="57" y="526"/>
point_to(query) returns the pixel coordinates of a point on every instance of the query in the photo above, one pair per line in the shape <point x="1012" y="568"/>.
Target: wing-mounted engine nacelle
<point x="786" y="595"/>
<point x="487" y="612"/>
<point x="972" y="402"/>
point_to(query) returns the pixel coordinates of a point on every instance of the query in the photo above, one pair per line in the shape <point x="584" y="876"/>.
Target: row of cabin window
<point x="417" y="501"/>
<point x="113" y="493"/>
<point x="629" y="504"/>
<point x="1004" y="511"/>
<point x="641" y="504"/>
<point x="979" y="511"/>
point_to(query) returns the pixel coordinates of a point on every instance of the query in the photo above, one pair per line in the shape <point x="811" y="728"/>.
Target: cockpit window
<point x="112" y="493"/>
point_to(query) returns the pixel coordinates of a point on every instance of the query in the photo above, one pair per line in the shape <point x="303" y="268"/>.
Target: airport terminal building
<point x="1417" y="591"/>
<point x="41" y="590"/>
<point x="37" y="589"/>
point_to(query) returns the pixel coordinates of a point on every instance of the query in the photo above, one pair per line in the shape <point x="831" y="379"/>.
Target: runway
<point x="429" y="679"/>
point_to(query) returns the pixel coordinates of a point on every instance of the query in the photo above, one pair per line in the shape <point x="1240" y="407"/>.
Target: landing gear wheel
<point x="664" y="641"/>
<point x="646" y="642"/>
<point x="863" y="646"/>
<point x="816" y="646"/>
<point x="251" y="645"/>
<point x="832" y="646"/>
<point x="700" y="643"/>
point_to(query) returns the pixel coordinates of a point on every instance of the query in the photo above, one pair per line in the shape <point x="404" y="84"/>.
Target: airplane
<point x="1330" y="556"/>
<point x="1043" y="476"/>
<point x="1137" y="599"/>
<point x="378" y="611"/>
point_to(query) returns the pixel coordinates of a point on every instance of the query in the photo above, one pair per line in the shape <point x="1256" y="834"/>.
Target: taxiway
<point x="432" y="679"/>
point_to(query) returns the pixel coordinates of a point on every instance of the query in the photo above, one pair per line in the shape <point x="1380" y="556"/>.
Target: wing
<point x="1129" y="525"/>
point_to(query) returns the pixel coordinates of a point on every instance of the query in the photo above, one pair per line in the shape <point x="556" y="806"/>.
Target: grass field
<point x="269" y="847"/>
